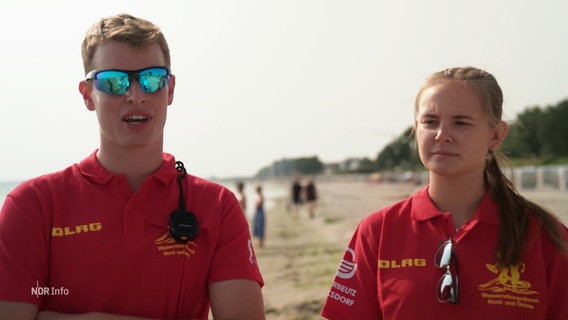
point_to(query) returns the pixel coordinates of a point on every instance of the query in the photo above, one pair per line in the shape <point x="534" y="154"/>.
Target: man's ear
<point x="171" y="87"/>
<point x="86" y="91"/>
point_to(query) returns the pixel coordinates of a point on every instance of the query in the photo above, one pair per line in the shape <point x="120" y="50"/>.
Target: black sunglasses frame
<point x="132" y="74"/>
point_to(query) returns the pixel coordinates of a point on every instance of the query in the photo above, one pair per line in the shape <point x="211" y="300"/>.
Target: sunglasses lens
<point x="443" y="255"/>
<point x="153" y="79"/>
<point x="445" y="288"/>
<point x="112" y="82"/>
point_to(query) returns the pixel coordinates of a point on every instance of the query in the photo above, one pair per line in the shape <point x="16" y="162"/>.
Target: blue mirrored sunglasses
<point x="118" y="81"/>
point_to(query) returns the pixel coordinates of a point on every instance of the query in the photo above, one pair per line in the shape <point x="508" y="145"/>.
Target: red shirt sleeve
<point x="353" y="294"/>
<point x="234" y="256"/>
<point x="23" y="246"/>
<point x="557" y="277"/>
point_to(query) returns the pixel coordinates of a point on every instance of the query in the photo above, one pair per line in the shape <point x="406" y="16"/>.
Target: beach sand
<point x="301" y="255"/>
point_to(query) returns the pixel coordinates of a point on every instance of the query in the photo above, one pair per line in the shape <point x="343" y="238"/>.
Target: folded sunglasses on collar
<point x="447" y="289"/>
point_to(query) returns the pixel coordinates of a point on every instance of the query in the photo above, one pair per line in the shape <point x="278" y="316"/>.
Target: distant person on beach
<point x="126" y="233"/>
<point x="259" y="219"/>
<point x="241" y="196"/>
<point x="402" y="262"/>
<point x="311" y="196"/>
<point x="296" y="195"/>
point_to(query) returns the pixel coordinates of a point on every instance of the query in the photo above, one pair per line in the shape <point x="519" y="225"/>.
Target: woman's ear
<point x="499" y="133"/>
<point x="86" y="91"/>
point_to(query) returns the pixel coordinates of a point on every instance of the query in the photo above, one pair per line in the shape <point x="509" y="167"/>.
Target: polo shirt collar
<point x="167" y="171"/>
<point x="423" y="208"/>
<point x="92" y="169"/>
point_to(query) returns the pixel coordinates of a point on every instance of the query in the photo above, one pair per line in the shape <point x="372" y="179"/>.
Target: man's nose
<point x="134" y="94"/>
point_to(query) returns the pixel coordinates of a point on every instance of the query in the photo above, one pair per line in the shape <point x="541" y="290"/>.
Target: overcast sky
<point x="261" y="80"/>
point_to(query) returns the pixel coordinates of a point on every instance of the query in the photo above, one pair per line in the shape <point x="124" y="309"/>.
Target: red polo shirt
<point x="388" y="271"/>
<point x="79" y="240"/>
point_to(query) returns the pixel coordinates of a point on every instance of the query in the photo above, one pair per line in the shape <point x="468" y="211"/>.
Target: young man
<point x="126" y="233"/>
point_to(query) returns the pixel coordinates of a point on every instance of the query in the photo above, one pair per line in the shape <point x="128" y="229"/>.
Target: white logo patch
<point x="347" y="267"/>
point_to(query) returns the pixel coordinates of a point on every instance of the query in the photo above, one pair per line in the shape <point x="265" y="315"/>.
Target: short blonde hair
<point x="125" y="28"/>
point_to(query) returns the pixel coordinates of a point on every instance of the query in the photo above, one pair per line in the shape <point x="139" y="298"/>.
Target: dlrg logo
<point x="47" y="291"/>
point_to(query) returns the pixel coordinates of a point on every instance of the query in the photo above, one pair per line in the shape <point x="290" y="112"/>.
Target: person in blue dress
<point x="259" y="218"/>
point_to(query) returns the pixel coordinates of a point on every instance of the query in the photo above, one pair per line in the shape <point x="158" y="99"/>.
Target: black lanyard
<point x="183" y="223"/>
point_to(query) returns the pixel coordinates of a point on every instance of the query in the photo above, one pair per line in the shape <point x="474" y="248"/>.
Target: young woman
<point x="311" y="197"/>
<point x="241" y="196"/>
<point x="259" y="225"/>
<point x="467" y="246"/>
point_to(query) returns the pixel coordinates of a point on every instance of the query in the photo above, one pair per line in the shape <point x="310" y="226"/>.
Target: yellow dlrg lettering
<point x="407" y="263"/>
<point x="419" y="262"/>
<point x="56" y="232"/>
<point x="95" y="226"/>
<point x="403" y="263"/>
<point x="82" y="228"/>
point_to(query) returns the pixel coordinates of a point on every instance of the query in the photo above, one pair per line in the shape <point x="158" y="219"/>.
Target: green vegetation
<point x="290" y="167"/>
<point x="539" y="136"/>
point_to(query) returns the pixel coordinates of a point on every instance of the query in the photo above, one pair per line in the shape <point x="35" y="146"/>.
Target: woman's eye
<point x="429" y="122"/>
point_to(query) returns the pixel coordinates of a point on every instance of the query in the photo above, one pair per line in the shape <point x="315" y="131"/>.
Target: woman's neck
<point x="460" y="197"/>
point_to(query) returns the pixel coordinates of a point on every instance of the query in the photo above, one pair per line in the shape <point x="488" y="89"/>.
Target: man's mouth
<point x="135" y="119"/>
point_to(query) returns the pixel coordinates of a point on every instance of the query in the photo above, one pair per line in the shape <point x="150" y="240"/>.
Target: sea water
<point x="272" y="191"/>
<point x="6" y="187"/>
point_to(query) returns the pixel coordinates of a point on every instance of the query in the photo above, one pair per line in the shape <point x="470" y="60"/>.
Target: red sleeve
<point x="353" y="294"/>
<point x="23" y="246"/>
<point x="234" y="256"/>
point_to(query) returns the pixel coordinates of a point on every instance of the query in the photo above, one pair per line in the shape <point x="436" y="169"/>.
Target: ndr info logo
<point x="49" y="291"/>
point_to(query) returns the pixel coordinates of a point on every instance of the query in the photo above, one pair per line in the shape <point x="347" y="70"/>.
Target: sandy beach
<point x="301" y="255"/>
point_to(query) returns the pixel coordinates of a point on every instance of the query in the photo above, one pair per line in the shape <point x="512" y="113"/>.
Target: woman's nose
<point x="443" y="134"/>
